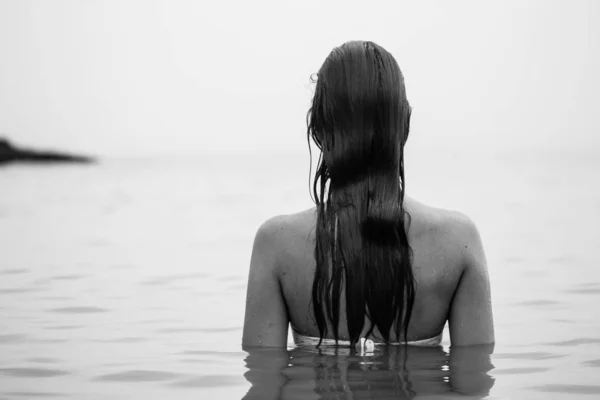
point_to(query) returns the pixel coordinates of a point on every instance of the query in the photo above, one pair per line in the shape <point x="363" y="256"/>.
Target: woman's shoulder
<point x="428" y="219"/>
<point x="453" y="230"/>
<point x="287" y="233"/>
<point x="425" y="219"/>
<point x="284" y="225"/>
<point x="448" y="230"/>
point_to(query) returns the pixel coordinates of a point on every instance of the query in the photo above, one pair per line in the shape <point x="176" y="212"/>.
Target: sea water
<point x="126" y="279"/>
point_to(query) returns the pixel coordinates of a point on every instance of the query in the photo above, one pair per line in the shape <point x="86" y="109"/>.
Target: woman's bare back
<point x="443" y="243"/>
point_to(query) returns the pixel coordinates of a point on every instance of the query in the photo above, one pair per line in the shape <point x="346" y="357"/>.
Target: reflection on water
<point x="389" y="372"/>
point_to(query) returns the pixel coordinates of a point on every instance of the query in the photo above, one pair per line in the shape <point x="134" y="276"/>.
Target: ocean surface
<point x="126" y="279"/>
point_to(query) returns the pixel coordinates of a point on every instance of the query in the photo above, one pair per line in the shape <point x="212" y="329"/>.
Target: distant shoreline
<point x="13" y="154"/>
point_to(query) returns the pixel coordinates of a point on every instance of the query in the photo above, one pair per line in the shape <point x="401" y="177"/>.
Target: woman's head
<point x="359" y="115"/>
<point x="359" y="119"/>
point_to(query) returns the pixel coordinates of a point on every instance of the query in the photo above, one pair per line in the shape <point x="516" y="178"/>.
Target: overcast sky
<point x="185" y="77"/>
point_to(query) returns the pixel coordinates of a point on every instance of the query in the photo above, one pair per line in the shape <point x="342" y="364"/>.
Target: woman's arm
<point x="266" y="320"/>
<point x="471" y="320"/>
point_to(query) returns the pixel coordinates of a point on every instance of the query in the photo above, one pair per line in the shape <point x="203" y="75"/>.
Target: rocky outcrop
<point x="10" y="153"/>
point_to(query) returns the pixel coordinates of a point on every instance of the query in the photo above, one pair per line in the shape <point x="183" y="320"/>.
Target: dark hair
<point x="359" y="119"/>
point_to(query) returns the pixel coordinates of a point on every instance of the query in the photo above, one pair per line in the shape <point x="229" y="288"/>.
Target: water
<point x="127" y="280"/>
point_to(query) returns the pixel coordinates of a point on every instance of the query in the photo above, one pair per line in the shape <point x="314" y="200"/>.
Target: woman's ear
<point x="407" y="123"/>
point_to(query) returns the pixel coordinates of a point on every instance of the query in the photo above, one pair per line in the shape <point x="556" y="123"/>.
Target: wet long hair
<point x="359" y="119"/>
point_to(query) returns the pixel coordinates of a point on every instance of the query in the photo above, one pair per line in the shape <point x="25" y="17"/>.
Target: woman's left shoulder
<point x="283" y="225"/>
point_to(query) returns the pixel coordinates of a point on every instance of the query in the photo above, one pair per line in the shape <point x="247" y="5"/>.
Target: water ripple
<point x="213" y="353"/>
<point x="178" y="330"/>
<point x="28" y="372"/>
<point x="138" y="376"/>
<point x="577" y="342"/>
<point x="522" y="370"/>
<point x="204" y="330"/>
<point x="197" y="361"/>
<point x="226" y="329"/>
<point x="122" y="340"/>
<point x="589" y="284"/>
<point x="67" y="277"/>
<point x="592" y="363"/>
<point x="540" y="302"/>
<point x="14" y="271"/>
<point x="34" y="394"/>
<point x="157" y="320"/>
<point x="585" y="290"/>
<point x="232" y="278"/>
<point x="63" y="327"/>
<point x="57" y="298"/>
<point x="209" y="381"/>
<point x="165" y="280"/>
<point x="44" y="360"/>
<point x="570" y="389"/>
<point x="536" y="355"/>
<point x="51" y="341"/>
<point x="12" y="338"/>
<point x="79" y="310"/>
<point x="18" y="290"/>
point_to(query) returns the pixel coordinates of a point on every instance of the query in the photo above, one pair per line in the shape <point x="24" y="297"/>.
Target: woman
<point x="368" y="264"/>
